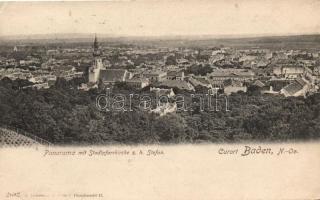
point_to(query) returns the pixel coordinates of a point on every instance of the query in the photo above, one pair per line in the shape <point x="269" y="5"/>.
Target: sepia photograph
<point x="181" y="74"/>
<point x="82" y="73"/>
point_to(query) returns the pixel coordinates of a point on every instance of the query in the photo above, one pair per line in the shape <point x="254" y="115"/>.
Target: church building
<point x="98" y="72"/>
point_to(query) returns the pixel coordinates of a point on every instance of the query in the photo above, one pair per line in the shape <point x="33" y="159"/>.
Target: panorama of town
<point x="280" y="72"/>
<point x="269" y="91"/>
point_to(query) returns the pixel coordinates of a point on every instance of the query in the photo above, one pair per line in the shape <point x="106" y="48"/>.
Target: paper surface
<point x="181" y="172"/>
<point x="217" y="170"/>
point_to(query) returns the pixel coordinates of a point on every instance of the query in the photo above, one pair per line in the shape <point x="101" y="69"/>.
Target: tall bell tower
<point x="97" y="65"/>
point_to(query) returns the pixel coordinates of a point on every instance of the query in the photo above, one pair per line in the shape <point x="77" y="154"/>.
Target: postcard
<point x="164" y="100"/>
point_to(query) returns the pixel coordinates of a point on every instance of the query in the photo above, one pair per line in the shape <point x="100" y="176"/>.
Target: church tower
<point x="97" y="65"/>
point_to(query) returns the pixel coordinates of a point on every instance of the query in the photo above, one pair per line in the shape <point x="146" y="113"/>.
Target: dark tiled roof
<point x="230" y="82"/>
<point x="295" y="87"/>
<point x="301" y="81"/>
<point x="231" y="72"/>
<point x="136" y="80"/>
<point x="113" y="75"/>
<point x="175" y="73"/>
<point x="202" y="80"/>
<point x="259" y="83"/>
<point x="153" y="72"/>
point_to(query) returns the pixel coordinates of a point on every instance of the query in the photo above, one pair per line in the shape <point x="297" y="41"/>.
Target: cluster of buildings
<point x="274" y="72"/>
<point x="233" y="70"/>
<point x="40" y="74"/>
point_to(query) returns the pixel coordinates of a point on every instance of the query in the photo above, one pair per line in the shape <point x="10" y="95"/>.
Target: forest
<point x="63" y="114"/>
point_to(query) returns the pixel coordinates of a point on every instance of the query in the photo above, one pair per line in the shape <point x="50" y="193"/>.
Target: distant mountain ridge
<point x="166" y="37"/>
<point x="311" y="40"/>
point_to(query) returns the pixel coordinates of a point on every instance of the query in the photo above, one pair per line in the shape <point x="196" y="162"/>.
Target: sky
<point x="162" y="18"/>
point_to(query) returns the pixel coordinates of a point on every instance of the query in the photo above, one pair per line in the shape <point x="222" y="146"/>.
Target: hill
<point x="286" y="42"/>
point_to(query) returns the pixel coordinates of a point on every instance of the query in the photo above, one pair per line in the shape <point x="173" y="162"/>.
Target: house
<point x="155" y="75"/>
<point x="216" y="57"/>
<point x="162" y="92"/>
<point x="38" y="86"/>
<point x="233" y="86"/>
<point x="277" y="70"/>
<point x="138" y="83"/>
<point x="265" y="87"/>
<point x="297" y="88"/>
<point x="171" y="68"/>
<point x="248" y="57"/>
<point x="268" y="55"/>
<point x="85" y="87"/>
<point x="218" y="76"/>
<point x="248" y="64"/>
<point x="183" y="85"/>
<point x="165" y="108"/>
<point x="262" y="63"/>
<point x="183" y="63"/>
<point x="268" y="89"/>
<point x="175" y="75"/>
<point x="288" y="72"/>
<point x="202" y="81"/>
<point x="259" y="84"/>
<point x="292" y="72"/>
<point x="280" y="55"/>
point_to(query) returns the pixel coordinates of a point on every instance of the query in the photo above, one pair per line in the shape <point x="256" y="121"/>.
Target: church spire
<point x="96" y="51"/>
